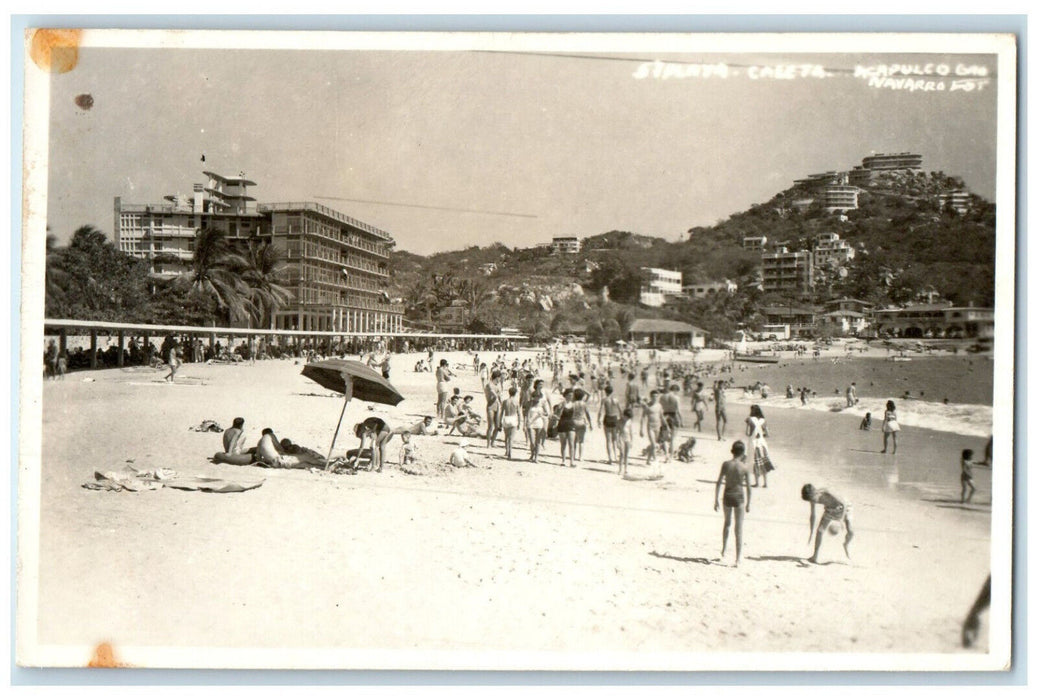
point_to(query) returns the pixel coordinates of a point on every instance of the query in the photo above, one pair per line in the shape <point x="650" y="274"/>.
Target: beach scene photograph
<point x="517" y="352"/>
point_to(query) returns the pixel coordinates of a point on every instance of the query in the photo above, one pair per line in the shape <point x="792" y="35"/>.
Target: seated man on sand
<point x="234" y="436"/>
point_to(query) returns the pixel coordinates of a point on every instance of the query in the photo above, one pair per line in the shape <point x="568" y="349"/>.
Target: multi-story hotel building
<point x="785" y="271"/>
<point x="337" y="266"/>
<point x="658" y="284"/>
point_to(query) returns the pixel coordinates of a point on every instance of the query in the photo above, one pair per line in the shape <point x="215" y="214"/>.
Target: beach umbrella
<point x="351" y="379"/>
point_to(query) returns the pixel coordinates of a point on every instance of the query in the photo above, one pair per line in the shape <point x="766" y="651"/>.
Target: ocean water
<point x="963" y="379"/>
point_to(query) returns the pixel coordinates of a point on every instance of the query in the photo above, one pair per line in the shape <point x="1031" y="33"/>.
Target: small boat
<point x="766" y="359"/>
<point x="901" y="358"/>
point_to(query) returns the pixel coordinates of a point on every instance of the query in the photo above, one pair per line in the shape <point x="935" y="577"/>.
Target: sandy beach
<point x="514" y="557"/>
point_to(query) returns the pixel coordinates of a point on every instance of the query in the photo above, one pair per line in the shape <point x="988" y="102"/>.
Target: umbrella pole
<point x="348" y="394"/>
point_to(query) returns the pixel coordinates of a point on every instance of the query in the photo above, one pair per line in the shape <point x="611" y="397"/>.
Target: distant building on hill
<point x="893" y="161"/>
<point x="842" y="197"/>
<point x="336" y="266"/>
<point x="657" y="284"/>
<point x="786" y="271"/>
<point x="703" y="289"/>
<point x="565" y="244"/>
<point x="754" y="242"/>
<point x="830" y="251"/>
<point x="663" y="333"/>
<point x="958" y="200"/>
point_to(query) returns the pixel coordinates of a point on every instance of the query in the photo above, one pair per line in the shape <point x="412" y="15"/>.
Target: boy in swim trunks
<point x="735" y="476"/>
<point x="836" y="511"/>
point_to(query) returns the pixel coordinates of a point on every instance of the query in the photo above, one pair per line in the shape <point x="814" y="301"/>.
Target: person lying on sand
<point x="290" y="448"/>
<point x="836" y="512"/>
<point x="269" y="451"/>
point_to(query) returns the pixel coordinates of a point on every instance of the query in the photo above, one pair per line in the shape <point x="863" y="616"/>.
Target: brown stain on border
<point x="55" y="50"/>
<point x="104" y="657"/>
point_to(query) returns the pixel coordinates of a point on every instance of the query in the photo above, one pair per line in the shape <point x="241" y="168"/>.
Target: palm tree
<point x="213" y="274"/>
<point x="625" y="318"/>
<point x="418" y="299"/>
<point x="264" y="275"/>
<point x="474" y="293"/>
<point x="55" y="275"/>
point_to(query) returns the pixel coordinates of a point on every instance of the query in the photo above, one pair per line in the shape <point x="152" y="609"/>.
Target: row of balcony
<point x="325" y="211"/>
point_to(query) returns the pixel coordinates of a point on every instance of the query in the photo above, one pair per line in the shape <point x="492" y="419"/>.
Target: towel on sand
<point x="146" y="481"/>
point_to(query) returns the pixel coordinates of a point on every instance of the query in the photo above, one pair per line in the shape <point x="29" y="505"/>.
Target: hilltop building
<point x="337" y="267"/>
<point x="565" y="244"/>
<point x="785" y="271"/>
<point x="658" y="284"/>
<point x="893" y="161"/>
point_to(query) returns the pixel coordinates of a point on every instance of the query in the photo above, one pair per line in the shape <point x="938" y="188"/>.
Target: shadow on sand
<point x="686" y="560"/>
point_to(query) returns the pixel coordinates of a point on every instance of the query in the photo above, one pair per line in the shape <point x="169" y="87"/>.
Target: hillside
<point x="907" y="244"/>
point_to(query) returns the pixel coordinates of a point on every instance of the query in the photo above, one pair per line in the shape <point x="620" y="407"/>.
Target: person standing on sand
<point x="736" y="479"/>
<point x="699" y="405"/>
<point x="508" y="415"/>
<point x="720" y="408"/>
<point x="836" y="511"/>
<point x="565" y="426"/>
<point x="536" y="423"/>
<point x="581" y="422"/>
<point x="492" y="391"/>
<point x="890" y="426"/>
<point x="757" y="431"/>
<point x="625" y="440"/>
<point x="652" y="421"/>
<point x="443" y="376"/>
<point x="671" y="405"/>
<point x="174" y="362"/>
<point x="610" y="415"/>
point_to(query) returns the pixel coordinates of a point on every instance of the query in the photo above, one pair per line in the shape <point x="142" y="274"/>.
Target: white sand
<point x="520" y="556"/>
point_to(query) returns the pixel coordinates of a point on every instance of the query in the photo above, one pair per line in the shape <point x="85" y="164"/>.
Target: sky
<point x="488" y="147"/>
